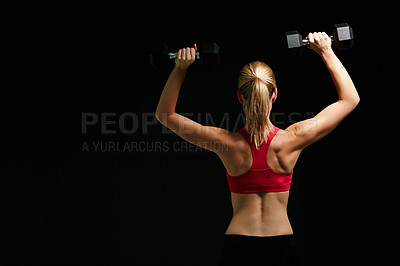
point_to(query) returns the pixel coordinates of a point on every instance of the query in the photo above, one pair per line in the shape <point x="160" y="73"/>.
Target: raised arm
<point x="304" y="133"/>
<point x="206" y="137"/>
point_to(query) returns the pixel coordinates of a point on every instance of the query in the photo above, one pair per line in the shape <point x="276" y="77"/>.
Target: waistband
<point x="279" y="240"/>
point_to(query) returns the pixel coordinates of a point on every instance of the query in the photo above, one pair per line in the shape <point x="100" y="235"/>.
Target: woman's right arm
<point x="305" y="132"/>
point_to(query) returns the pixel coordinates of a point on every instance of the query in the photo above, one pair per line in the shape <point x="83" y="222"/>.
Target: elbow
<point x="162" y="116"/>
<point x="356" y="101"/>
<point x="351" y="103"/>
<point x="159" y="115"/>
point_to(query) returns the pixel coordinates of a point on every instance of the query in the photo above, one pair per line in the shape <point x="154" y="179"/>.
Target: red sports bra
<point x="260" y="177"/>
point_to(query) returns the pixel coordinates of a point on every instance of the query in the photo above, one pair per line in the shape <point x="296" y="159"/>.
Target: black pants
<point x="258" y="250"/>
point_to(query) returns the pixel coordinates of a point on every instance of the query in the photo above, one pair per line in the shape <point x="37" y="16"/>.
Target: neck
<point x="270" y="126"/>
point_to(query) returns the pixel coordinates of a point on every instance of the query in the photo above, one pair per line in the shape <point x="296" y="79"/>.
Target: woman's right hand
<point x="185" y="57"/>
<point x="320" y="42"/>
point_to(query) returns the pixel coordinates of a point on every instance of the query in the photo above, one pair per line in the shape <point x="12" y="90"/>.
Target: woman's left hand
<point x="185" y="57"/>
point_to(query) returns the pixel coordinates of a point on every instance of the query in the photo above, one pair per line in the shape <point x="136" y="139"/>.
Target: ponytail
<point x="256" y="84"/>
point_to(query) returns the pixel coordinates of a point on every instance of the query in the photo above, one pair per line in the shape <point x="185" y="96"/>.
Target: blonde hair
<point x="256" y="83"/>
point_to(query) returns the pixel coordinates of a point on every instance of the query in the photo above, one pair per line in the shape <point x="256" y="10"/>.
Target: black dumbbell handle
<point x="173" y="55"/>
<point x="305" y="42"/>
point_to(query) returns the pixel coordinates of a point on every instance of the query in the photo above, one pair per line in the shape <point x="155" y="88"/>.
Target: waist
<point x="249" y="240"/>
<point x="260" y="225"/>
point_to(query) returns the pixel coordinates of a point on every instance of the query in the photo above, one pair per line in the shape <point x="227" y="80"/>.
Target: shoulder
<point x="234" y="139"/>
<point x="282" y="138"/>
<point x="286" y="158"/>
<point x="225" y="140"/>
<point x="221" y="135"/>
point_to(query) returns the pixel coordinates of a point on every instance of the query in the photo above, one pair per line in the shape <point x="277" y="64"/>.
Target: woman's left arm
<point x="210" y="138"/>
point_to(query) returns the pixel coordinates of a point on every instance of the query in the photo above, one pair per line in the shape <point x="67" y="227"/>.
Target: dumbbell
<point x="208" y="54"/>
<point x="174" y="55"/>
<point x="342" y="37"/>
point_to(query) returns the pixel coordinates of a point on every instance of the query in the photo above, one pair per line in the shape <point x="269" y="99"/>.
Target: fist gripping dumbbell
<point x="208" y="54"/>
<point x="342" y="37"/>
<point x="174" y="55"/>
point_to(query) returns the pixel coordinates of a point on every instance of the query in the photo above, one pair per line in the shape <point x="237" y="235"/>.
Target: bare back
<point x="262" y="213"/>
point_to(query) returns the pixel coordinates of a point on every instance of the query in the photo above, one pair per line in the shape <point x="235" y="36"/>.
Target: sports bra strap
<point x="259" y="178"/>
<point x="271" y="135"/>
<point x="260" y="155"/>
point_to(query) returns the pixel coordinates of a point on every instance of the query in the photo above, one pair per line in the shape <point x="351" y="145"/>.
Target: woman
<point x="259" y="158"/>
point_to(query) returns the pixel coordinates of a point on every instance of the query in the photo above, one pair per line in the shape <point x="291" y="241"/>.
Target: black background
<point x="66" y="206"/>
